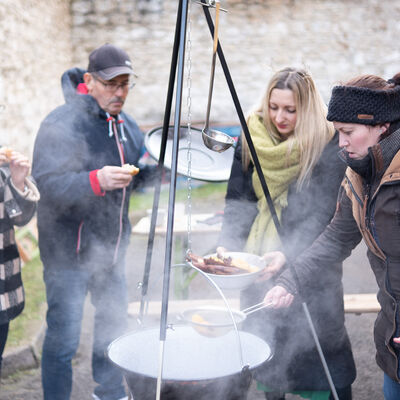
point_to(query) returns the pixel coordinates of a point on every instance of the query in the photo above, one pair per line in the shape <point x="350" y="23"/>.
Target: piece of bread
<point x="7" y="152"/>
<point x="131" y="168"/>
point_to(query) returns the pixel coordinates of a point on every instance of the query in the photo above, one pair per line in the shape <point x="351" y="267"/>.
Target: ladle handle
<point x="217" y="6"/>
<point x="215" y="46"/>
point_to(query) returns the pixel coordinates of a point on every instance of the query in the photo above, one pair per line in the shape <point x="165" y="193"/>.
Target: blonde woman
<point x="297" y="149"/>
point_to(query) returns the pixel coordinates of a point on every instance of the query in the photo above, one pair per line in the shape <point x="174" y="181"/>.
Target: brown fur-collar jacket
<point x="372" y="212"/>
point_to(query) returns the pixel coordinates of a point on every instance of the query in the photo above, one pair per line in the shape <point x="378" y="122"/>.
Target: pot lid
<point x="207" y="165"/>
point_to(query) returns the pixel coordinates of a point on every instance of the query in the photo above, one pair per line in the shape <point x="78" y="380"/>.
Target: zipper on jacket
<point x="79" y="239"/>
<point x="366" y="206"/>
<point x="354" y="192"/>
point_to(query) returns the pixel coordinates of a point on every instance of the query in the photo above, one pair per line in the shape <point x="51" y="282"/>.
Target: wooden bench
<point x="361" y="303"/>
<point x="353" y="304"/>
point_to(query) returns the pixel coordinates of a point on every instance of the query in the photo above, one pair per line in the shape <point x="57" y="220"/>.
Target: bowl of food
<point x="230" y="270"/>
<point x="212" y="321"/>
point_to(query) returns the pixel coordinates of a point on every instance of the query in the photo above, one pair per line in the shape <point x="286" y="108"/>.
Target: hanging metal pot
<point x="195" y="366"/>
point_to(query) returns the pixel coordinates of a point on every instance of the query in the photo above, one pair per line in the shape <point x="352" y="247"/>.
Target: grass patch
<point x="26" y="324"/>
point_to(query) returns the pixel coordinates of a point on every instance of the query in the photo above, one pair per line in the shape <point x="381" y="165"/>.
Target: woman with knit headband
<point x="297" y="150"/>
<point x="366" y="113"/>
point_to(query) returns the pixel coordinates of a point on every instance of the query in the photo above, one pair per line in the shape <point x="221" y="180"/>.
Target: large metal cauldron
<point x="195" y="366"/>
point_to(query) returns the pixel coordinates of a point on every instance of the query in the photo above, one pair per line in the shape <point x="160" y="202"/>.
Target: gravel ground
<point x="357" y="279"/>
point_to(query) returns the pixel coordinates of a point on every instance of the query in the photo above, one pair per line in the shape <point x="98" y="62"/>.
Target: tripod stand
<point x="177" y="69"/>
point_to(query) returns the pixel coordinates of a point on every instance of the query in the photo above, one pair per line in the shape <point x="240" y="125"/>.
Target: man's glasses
<point x="112" y="87"/>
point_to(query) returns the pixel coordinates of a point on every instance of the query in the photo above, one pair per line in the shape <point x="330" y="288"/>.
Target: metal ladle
<point x="213" y="139"/>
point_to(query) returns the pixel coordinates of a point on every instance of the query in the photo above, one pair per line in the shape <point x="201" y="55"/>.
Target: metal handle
<point x="214" y="56"/>
<point x="256" y="307"/>
<point x="217" y="8"/>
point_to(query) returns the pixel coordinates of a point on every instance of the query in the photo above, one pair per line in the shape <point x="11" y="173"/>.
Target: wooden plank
<point x="353" y="304"/>
<point x="142" y="228"/>
<point x="361" y="303"/>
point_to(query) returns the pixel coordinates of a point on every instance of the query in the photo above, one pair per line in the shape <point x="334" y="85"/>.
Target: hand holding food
<point x="5" y="154"/>
<point x="19" y="166"/>
<point x="275" y="260"/>
<point x="279" y="297"/>
<point x="112" y="177"/>
<point x="221" y="251"/>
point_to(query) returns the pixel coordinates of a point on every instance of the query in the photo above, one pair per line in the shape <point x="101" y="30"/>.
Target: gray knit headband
<point x="364" y="106"/>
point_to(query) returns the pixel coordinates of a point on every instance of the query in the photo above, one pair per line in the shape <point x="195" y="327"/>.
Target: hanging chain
<point x="189" y="132"/>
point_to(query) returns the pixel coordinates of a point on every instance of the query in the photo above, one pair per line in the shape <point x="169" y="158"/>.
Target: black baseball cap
<point x="109" y="61"/>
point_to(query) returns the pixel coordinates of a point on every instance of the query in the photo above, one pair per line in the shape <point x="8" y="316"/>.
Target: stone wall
<point x="35" y="48"/>
<point x="334" y="39"/>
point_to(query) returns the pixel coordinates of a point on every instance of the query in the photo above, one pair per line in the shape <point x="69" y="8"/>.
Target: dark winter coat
<point x="16" y="209"/>
<point x="296" y="365"/>
<point x="75" y="224"/>
<point x="368" y="208"/>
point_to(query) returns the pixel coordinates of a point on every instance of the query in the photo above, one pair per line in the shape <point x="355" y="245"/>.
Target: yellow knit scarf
<point x="279" y="170"/>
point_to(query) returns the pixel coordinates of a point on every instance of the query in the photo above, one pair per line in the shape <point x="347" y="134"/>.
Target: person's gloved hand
<point x="221" y="251"/>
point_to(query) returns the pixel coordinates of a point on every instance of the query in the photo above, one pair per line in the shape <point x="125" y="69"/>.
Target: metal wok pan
<point x="195" y="366"/>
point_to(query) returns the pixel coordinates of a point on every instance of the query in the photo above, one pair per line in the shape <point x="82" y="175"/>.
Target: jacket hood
<point x="70" y="81"/>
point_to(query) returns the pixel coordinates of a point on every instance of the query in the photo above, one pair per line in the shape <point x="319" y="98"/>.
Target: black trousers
<point x="3" y="339"/>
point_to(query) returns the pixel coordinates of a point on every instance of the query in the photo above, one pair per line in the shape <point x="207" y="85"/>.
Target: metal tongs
<point x="256" y="307"/>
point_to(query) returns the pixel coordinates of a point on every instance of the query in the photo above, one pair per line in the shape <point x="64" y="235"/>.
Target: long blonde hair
<point x="312" y="131"/>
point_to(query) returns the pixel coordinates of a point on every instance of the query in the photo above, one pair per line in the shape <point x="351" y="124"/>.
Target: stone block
<point x="20" y="359"/>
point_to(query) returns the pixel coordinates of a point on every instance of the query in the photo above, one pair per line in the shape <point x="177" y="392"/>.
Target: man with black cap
<point x="83" y="216"/>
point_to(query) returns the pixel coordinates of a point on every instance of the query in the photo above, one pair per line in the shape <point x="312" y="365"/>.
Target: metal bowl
<point x="239" y="281"/>
<point x="216" y="140"/>
<point x="212" y="321"/>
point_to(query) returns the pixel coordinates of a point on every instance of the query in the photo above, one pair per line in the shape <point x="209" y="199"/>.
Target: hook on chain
<point x="210" y="3"/>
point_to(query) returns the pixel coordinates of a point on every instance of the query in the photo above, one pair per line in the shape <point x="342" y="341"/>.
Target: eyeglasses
<point x="112" y="87"/>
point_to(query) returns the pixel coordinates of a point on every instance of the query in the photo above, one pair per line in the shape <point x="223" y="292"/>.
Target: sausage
<point x="217" y="269"/>
<point x="213" y="266"/>
<point x="195" y="259"/>
<point x="223" y="269"/>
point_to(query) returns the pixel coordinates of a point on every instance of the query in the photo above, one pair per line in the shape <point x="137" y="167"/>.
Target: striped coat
<point x="16" y="208"/>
